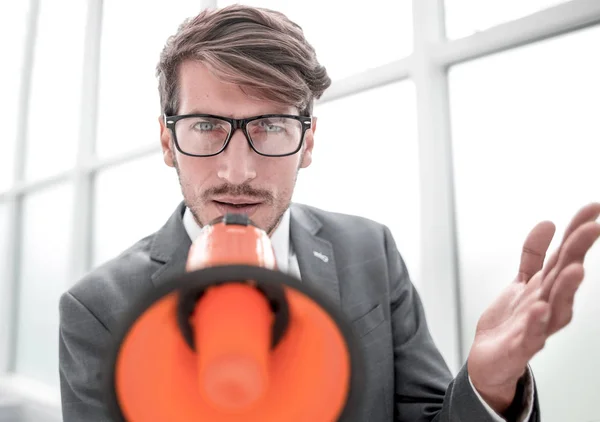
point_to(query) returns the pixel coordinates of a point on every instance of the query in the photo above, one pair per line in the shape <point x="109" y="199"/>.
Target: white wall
<point x="526" y="143"/>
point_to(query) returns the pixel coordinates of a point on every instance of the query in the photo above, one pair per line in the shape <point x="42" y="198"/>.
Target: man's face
<point x="238" y="175"/>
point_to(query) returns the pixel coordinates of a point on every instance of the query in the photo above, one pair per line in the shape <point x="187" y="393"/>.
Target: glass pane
<point x="526" y="150"/>
<point x="4" y="246"/>
<point x="5" y="282"/>
<point x="44" y="272"/>
<point x="53" y="121"/>
<point x="349" y="39"/>
<point x="13" y="28"/>
<point x="132" y="40"/>
<point x="376" y="166"/>
<point x="466" y="17"/>
<point x="133" y="201"/>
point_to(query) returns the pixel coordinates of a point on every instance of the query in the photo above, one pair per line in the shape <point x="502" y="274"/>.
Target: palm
<point x="536" y="305"/>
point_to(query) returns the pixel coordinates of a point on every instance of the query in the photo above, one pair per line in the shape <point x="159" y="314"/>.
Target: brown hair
<point x="258" y="49"/>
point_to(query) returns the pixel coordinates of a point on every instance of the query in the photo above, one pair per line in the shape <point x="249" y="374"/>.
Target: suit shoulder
<point x="116" y="280"/>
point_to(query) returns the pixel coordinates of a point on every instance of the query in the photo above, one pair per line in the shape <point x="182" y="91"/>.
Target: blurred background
<point x="482" y="119"/>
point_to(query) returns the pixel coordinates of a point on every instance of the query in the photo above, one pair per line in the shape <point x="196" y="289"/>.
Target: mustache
<point x="238" y="190"/>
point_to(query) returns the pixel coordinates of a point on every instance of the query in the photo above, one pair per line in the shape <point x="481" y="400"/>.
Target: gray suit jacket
<point x="407" y="378"/>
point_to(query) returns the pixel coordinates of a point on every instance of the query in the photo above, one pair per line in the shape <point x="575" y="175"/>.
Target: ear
<point x="309" y="140"/>
<point x="165" y="142"/>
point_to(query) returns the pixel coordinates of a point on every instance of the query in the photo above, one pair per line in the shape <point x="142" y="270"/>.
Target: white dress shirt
<point x="288" y="263"/>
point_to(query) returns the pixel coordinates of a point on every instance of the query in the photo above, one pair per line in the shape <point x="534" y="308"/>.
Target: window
<point x="466" y="17"/>
<point x="363" y="165"/>
<point x="44" y="272"/>
<point x="13" y="29"/>
<point x="133" y="36"/>
<point x="132" y="201"/>
<point x="5" y="282"/>
<point x="55" y="102"/>
<point x="526" y="146"/>
<point x="4" y="246"/>
<point x="349" y="39"/>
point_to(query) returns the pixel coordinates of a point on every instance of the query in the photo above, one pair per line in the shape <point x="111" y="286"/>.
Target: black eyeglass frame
<point x="306" y="122"/>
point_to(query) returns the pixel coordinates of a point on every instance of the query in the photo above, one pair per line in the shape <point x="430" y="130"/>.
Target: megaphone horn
<point x="234" y="339"/>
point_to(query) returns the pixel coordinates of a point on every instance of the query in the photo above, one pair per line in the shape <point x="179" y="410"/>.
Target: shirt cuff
<point x="528" y="398"/>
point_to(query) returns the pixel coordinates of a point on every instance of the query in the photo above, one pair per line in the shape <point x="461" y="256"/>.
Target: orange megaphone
<point x="234" y="340"/>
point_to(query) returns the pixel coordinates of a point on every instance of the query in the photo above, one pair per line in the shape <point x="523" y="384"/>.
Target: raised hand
<point x="536" y="305"/>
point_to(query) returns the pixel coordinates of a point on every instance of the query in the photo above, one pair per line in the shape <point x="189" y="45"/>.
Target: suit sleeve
<point x="522" y="411"/>
<point x="424" y="388"/>
<point x="82" y="342"/>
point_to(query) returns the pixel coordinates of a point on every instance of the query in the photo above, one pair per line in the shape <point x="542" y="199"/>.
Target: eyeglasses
<point x="206" y="135"/>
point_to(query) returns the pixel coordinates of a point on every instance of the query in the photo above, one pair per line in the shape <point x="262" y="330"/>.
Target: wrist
<point x="499" y="398"/>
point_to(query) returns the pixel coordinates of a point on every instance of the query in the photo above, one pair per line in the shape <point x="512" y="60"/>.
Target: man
<point x="226" y="70"/>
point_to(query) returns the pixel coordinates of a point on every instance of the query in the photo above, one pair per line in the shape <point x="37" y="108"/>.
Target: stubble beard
<point x="194" y="200"/>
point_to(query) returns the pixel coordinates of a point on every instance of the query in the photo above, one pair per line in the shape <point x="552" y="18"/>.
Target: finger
<point x="534" y="250"/>
<point x="531" y="293"/>
<point x="590" y="212"/>
<point x="573" y="250"/>
<point x="551" y="263"/>
<point x="563" y="296"/>
<point x="535" y="333"/>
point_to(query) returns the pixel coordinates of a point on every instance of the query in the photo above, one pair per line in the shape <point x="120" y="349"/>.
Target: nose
<point x="237" y="164"/>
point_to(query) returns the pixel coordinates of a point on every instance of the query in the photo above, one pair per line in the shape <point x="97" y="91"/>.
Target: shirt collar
<point x="280" y="239"/>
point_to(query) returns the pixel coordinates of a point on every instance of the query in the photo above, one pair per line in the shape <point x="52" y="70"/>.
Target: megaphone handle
<point x="232" y="323"/>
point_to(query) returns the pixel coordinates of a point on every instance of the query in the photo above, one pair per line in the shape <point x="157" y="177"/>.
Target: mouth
<point x="237" y="208"/>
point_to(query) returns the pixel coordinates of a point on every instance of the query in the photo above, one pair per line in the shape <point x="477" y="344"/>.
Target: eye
<point x="204" y="126"/>
<point x="271" y="127"/>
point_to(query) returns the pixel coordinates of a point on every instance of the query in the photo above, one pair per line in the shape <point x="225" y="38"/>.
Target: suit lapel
<point x="315" y="254"/>
<point x="170" y="247"/>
